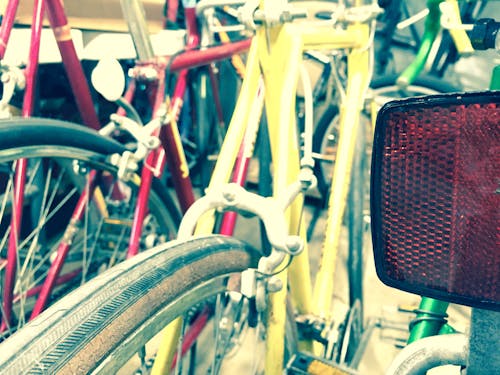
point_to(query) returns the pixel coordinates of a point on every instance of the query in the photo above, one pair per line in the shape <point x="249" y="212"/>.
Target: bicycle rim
<point x="57" y="178"/>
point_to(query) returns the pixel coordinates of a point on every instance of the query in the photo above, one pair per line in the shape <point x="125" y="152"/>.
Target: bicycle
<point x="383" y="87"/>
<point x="277" y="41"/>
<point x="114" y="206"/>
<point x="325" y="140"/>
<point x="196" y="247"/>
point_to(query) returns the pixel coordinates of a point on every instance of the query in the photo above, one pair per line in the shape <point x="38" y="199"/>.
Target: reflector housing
<point x="435" y="197"/>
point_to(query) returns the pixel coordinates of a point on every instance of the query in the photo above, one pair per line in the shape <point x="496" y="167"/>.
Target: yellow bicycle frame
<point x="276" y="55"/>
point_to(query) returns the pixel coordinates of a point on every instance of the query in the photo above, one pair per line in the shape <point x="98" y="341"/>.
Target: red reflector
<point x="436" y="197"/>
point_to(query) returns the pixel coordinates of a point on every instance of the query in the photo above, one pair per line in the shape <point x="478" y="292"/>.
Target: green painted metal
<point x="428" y="321"/>
<point x="432" y="27"/>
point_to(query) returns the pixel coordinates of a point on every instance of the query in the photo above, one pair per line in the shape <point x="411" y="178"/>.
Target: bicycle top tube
<point x="331" y="33"/>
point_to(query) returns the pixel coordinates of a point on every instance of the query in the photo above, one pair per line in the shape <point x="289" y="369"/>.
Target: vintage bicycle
<point x="69" y="207"/>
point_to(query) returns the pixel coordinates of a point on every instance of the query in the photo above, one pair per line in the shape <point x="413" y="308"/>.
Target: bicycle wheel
<point x="99" y="326"/>
<point x="65" y="164"/>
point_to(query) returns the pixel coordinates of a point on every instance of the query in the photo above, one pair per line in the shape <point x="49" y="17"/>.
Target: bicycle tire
<point x="53" y="185"/>
<point x="116" y="312"/>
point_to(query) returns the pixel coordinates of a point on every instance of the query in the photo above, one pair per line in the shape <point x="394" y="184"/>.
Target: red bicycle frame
<point x="155" y="161"/>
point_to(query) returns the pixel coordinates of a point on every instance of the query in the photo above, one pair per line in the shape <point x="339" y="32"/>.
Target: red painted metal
<point x="239" y="177"/>
<point x="128" y="96"/>
<point x="172" y="8"/>
<point x="6" y="27"/>
<point x="64" y="246"/>
<point x="59" y="281"/>
<point x="10" y="270"/>
<point x="21" y="168"/>
<point x="147" y="174"/>
<point x="216" y="95"/>
<point x="195" y="329"/>
<point x="195" y="58"/>
<point x="176" y="161"/>
<point x="141" y="208"/>
<point x="34" y="52"/>
<point x="76" y="77"/>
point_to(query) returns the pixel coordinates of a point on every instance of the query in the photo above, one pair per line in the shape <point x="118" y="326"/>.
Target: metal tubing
<point x="244" y="156"/>
<point x="207" y="4"/>
<point x="351" y="106"/>
<point x="280" y="55"/>
<point x="426" y="325"/>
<point x="234" y="134"/>
<point x="430" y="352"/>
<point x="216" y="95"/>
<point x="171" y="140"/>
<point x="134" y="14"/>
<point x="74" y="71"/>
<point x="64" y="247"/>
<point x="193" y="39"/>
<point x="6" y="27"/>
<point x="195" y="58"/>
<point x="432" y="27"/>
<point x="10" y="272"/>
<point x="21" y="167"/>
<point x="141" y="208"/>
<point x="32" y="66"/>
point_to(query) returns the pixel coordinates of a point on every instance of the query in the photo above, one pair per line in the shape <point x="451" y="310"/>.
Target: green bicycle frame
<point x="432" y="29"/>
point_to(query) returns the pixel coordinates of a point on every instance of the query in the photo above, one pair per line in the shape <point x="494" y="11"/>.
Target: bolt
<point x="115" y="159"/>
<point x="152" y="143"/>
<point x="230" y="193"/>
<point x="294" y="244"/>
<point x="274" y="284"/>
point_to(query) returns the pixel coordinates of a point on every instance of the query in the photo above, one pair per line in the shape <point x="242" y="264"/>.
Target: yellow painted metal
<point x="326" y="37"/>
<point x="276" y="53"/>
<point x="100" y="202"/>
<point x="236" y="60"/>
<point x="220" y="176"/>
<point x="280" y="56"/>
<point x="358" y="62"/>
<point x="299" y="273"/>
<point x="460" y="37"/>
<point x="299" y="270"/>
<point x="235" y="132"/>
<point x="167" y="348"/>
